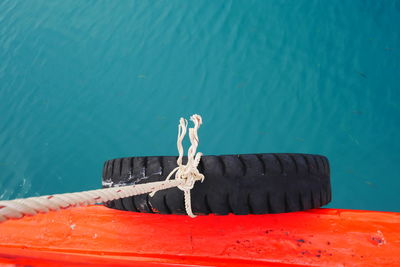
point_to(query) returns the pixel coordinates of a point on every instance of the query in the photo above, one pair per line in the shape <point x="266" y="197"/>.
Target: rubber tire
<point x="238" y="184"/>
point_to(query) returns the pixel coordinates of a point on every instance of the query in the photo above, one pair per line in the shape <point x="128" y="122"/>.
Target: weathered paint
<point x="99" y="235"/>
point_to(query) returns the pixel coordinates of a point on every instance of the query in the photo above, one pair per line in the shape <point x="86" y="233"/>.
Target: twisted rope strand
<point x="18" y="208"/>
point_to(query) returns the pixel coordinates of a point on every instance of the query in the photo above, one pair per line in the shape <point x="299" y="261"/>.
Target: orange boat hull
<point x="101" y="236"/>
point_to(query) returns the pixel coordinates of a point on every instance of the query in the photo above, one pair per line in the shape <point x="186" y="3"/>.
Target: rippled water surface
<point x="85" y="81"/>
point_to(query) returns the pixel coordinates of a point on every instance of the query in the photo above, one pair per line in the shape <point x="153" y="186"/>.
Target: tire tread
<point x="238" y="184"/>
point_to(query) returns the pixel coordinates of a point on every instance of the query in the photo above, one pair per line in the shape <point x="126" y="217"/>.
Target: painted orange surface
<point x="101" y="236"/>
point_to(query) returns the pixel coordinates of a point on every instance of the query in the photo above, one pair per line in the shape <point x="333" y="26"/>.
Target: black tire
<point x="238" y="184"/>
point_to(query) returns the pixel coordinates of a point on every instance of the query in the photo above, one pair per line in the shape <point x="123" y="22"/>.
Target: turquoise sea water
<point x="85" y="81"/>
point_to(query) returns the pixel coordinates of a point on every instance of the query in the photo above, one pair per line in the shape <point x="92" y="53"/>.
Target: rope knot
<point x="188" y="174"/>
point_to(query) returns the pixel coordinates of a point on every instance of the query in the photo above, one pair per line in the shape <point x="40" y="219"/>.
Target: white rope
<point x="18" y="208"/>
<point x="185" y="177"/>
